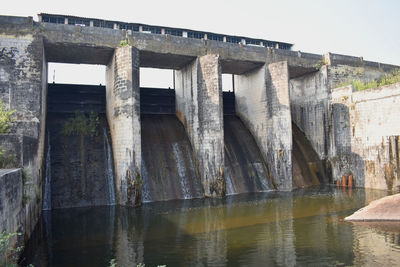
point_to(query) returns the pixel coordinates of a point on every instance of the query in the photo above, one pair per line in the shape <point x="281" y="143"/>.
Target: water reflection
<point x="382" y="246"/>
<point x="272" y="229"/>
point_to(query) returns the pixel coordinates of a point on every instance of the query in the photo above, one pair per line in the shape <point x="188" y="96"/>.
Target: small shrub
<point x="7" y="160"/>
<point x="82" y="124"/>
<point x="123" y="43"/>
<point x="6" y="118"/>
<point x="8" y="255"/>
<point x="113" y="263"/>
<point x="319" y="64"/>
<point x="387" y="79"/>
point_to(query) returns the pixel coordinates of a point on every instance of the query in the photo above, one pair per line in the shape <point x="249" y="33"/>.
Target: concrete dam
<point x="77" y="163"/>
<point x="284" y="126"/>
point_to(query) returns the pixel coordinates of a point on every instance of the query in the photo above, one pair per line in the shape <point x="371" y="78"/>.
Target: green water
<point x="301" y="228"/>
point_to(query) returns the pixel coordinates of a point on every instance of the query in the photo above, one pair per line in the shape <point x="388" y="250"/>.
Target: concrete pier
<point x="123" y="115"/>
<point x="199" y="108"/>
<point x="262" y="102"/>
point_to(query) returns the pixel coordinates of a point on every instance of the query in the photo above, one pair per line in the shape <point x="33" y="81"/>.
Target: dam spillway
<point x="80" y="169"/>
<point x="245" y="167"/>
<point x="168" y="169"/>
<point x="82" y="165"/>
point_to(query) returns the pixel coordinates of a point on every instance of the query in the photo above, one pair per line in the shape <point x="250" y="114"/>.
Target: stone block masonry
<point x="123" y="115"/>
<point x="366" y="130"/>
<point x="23" y="87"/>
<point x="326" y="116"/>
<point x="11" y="204"/>
<point x="199" y="107"/>
<point x="262" y="102"/>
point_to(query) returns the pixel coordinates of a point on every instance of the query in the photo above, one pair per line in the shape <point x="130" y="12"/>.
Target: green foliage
<point x="113" y="263"/>
<point x="7" y="160"/>
<point x="123" y="43"/>
<point x="390" y="79"/>
<point x="26" y="176"/>
<point x="319" y="64"/>
<point x="82" y="124"/>
<point x="6" y="118"/>
<point x="359" y="86"/>
<point x="387" y="79"/>
<point x="8" y="255"/>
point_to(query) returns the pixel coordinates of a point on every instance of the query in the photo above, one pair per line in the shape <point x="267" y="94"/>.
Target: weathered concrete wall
<point x="198" y="91"/>
<point x="23" y="85"/>
<point x="309" y="104"/>
<point x="310" y="94"/>
<point x="19" y="150"/>
<point x="11" y="201"/>
<point x="345" y="69"/>
<point x="123" y="115"/>
<point x="78" y="164"/>
<point x="262" y="102"/>
<point x="329" y="119"/>
<point x="11" y="192"/>
<point x="366" y="130"/>
<point x="12" y="150"/>
<point x="21" y="66"/>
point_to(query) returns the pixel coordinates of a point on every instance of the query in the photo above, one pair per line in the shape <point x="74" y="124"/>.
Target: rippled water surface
<point x="265" y="229"/>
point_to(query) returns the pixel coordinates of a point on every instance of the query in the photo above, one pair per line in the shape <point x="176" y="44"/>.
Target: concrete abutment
<point x="23" y="88"/>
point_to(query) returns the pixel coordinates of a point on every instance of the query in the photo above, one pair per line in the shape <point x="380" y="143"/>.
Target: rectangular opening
<point x="228" y="94"/>
<point x="76" y="73"/>
<point x="227" y="82"/>
<point x="157" y="94"/>
<point x="156" y="78"/>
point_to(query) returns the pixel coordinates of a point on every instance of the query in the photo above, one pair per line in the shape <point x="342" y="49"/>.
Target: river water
<point x="300" y="228"/>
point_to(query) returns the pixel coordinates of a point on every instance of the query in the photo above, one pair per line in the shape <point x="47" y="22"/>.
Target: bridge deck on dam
<point x="87" y="44"/>
<point x="67" y="43"/>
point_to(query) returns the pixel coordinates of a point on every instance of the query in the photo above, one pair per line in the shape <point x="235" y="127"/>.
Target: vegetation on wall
<point x="84" y="124"/>
<point x="123" y="43"/>
<point x="387" y="79"/>
<point x="7" y="160"/>
<point x="8" y="255"/>
<point x="6" y="118"/>
<point x="319" y="64"/>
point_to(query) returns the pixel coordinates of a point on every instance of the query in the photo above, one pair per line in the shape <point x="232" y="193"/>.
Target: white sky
<point x="367" y="28"/>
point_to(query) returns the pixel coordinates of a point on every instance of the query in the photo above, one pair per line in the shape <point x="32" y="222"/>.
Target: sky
<point x="367" y="28"/>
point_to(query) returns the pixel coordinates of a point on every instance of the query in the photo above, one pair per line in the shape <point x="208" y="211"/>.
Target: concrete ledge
<point x="12" y="145"/>
<point x="376" y="93"/>
<point x="11" y="193"/>
<point x="20" y="149"/>
<point x="338" y="59"/>
<point x="15" y="20"/>
<point x="384" y="209"/>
